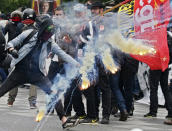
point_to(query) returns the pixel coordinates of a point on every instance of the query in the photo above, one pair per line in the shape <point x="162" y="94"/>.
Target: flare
<point x="129" y="46"/>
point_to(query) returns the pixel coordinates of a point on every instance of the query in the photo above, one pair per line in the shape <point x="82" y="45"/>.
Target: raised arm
<point x="19" y="39"/>
<point x="58" y="51"/>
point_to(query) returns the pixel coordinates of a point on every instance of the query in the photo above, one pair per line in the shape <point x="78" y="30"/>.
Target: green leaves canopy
<point x="7" y="6"/>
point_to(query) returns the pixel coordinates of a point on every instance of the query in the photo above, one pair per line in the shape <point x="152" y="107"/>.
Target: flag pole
<point x="116" y="6"/>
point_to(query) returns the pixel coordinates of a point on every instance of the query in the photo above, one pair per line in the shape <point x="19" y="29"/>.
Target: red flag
<point x="35" y="6"/>
<point x="151" y="21"/>
<point x="54" y="4"/>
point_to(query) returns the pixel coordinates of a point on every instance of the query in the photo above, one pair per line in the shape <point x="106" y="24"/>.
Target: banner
<point x="125" y="19"/>
<point x="150" y="23"/>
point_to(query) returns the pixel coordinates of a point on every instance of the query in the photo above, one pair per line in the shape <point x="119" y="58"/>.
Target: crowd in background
<point x="23" y="48"/>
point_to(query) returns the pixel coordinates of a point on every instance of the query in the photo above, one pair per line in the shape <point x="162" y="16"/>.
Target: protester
<point x="29" y="62"/>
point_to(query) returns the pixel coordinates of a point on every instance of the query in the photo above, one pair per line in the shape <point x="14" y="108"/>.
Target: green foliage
<point x="7" y="6"/>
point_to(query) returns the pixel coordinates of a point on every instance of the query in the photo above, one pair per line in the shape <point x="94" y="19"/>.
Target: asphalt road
<point x="21" y="118"/>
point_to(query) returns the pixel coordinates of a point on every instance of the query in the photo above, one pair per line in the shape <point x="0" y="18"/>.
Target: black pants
<point x="104" y="88"/>
<point x="155" y="77"/>
<point x="18" y="77"/>
<point x="76" y="100"/>
<point x="73" y="97"/>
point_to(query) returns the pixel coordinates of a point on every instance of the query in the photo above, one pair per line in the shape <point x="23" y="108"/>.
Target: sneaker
<point x="168" y="121"/>
<point x="10" y="104"/>
<point x="138" y="96"/>
<point x="105" y="120"/>
<point x="114" y="110"/>
<point x="89" y="121"/>
<point x="33" y="106"/>
<point x="117" y="114"/>
<point x="150" y="115"/>
<point x="130" y="113"/>
<point x="68" y="115"/>
<point x="123" y="115"/>
<point x="77" y="117"/>
<point x="69" y="124"/>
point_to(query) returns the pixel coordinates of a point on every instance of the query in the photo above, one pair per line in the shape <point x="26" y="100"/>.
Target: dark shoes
<point x="138" y="96"/>
<point x="168" y="121"/>
<point x="105" y="120"/>
<point x="10" y="104"/>
<point x="68" y="115"/>
<point x="33" y="106"/>
<point x="150" y="115"/>
<point x="114" y="110"/>
<point x="77" y="117"/>
<point x="69" y="124"/>
<point x="123" y="115"/>
<point x="89" y="121"/>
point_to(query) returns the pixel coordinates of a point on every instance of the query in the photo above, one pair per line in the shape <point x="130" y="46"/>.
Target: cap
<point x="97" y="4"/>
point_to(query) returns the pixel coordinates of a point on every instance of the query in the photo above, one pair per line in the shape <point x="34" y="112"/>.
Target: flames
<point x="112" y="69"/>
<point x="109" y="62"/>
<point x="40" y="116"/>
<point x="85" y="83"/>
<point x="130" y="45"/>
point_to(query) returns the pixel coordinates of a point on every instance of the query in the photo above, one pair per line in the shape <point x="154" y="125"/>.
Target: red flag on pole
<point x="151" y="19"/>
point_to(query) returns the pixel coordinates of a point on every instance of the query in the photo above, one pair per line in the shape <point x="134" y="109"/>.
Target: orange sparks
<point x="85" y="85"/>
<point x="40" y="116"/>
<point x="113" y="70"/>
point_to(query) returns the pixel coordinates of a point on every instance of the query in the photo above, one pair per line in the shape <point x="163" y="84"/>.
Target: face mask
<point x="16" y="19"/>
<point x="49" y="31"/>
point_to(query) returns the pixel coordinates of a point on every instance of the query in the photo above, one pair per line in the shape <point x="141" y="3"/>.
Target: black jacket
<point x="2" y="47"/>
<point x="13" y="30"/>
<point x="169" y="39"/>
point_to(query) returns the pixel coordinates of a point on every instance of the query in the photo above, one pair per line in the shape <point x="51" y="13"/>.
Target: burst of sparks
<point x="40" y="116"/>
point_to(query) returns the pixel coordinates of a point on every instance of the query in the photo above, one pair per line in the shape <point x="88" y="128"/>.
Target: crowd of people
<point x="32" y="39"/>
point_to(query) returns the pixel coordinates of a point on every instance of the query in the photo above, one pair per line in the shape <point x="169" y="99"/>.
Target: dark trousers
<point x="73" y="91"/>
<point x="136" y="89"/>
<point x="77" y="102"/>
<point x="156" y="76"/>
<point x="171" y="85"/>
<point x="91" y="102"/>
<point x="2" y="74"/>
<point x="113" y="101"/>
<point x="18" y="77"/>
<point x="73" y="97"/>
<point x="123" y="90"/>
<point x="126" y="86"/>
<point x="103" y="87"/>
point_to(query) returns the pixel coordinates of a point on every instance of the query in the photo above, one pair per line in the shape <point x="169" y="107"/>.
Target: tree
<point x="7" y="6"/>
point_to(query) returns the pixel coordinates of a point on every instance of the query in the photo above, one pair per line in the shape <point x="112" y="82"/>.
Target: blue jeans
<point x="123" y="90"/>
<point x="114" y="84"/>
